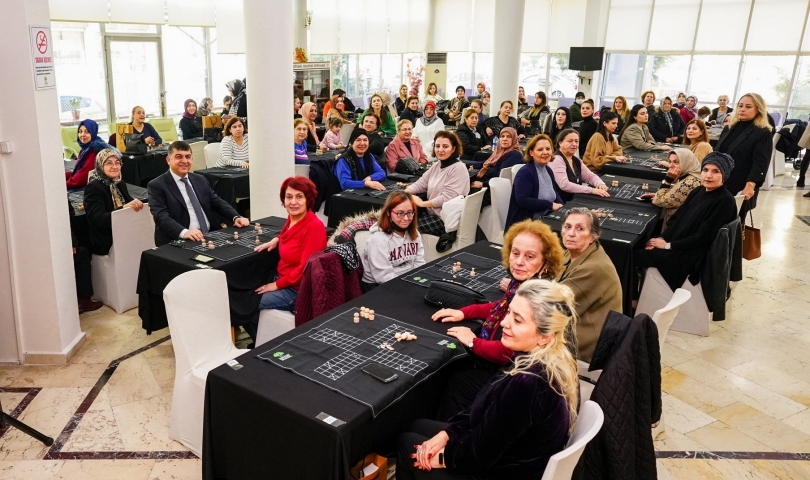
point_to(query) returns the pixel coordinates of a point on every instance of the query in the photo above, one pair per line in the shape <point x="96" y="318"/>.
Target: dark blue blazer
<point x="523" y="202"/>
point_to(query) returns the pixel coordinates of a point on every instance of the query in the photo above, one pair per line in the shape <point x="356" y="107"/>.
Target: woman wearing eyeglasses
<point x="104" y="194"/>
<point x="395" y="246"/>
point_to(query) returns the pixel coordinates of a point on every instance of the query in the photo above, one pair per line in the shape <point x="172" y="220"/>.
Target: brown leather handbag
<point x="752" y="241"/>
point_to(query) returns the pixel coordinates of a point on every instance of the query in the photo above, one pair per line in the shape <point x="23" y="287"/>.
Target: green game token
<point x="451" y="346"/>
<point x="417" y="278"/>
<point x="278" y="354"/>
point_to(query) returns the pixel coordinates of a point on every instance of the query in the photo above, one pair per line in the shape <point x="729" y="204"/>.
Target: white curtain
<point x="628" y="24"/>
<point x="567" y="25"/>
<point x="451" y="26"/>
<point x="230" y="27"/>
<point x="323" y="32"/>
<point x="536" y="24"/>
<point x="483" y="38"/>
<point x="408" y="22"/>
<point x="143" y="11"/>
<point x="191" y="13"/>
<point x="90" y="11"/>
<point x="661" y="37"/>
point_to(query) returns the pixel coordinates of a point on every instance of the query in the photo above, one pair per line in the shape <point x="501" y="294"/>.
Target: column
<point x="32" y="184"/>
<point x="506" y="53"/>
<point x="596" y="19"/>
<point x="268" y="57"/>
<point x="299" y="20"/>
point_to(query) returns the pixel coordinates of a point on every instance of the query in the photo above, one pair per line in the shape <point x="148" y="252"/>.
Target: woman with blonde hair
<point x="622" y="109"/>
<point x="522" y="418"/>
<point x="402" y="99"/>
<point x="148" y="133"/>
<point x="432" y="94"/>
<point x="696" y="138"/>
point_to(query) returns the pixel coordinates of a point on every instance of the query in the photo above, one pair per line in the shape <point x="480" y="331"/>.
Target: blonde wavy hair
<point x="553" y="308"/>
<point x="761" y="119"/>
<point x="553" y="255"/>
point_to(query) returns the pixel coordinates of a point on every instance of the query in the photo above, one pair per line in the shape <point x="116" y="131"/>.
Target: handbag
<point x="407" y="165"/>
<point x="134" y="143"/>
<point x="447" y="294"/>
<point x="752" y="241"/>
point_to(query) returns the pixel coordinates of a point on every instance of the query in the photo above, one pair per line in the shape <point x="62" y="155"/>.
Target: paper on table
<point x="369" y="470"/>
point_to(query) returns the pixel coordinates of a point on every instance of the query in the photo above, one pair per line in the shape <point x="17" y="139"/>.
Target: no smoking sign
<point x="42" y="58"/>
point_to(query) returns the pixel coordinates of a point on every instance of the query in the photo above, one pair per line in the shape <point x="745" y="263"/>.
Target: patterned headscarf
<point x="500" y="151"/>
<point x="694" y="109"/>
<point x="98" y="174"/>
<point x="499" y="311"/>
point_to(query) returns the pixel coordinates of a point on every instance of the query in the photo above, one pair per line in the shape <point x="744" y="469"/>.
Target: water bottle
<point x="494" y="143"/>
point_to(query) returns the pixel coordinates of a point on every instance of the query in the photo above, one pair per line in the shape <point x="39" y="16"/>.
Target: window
<point x="562" y="82"/>
<point x="628" y="24"/>
<point x="776" y="25"/>
<point x="722" y="25"/>
<point x="369" y="80"/>
<point x="707" y="81"/>
<point x="413" y="64"/>
<point x="667" y="75"/>
<point x="532" y="76"/>
<point x="769" y="76"/>
<point x="669" y="14"/>
<point x="78" y="60"/>
<point x="800" y="103"/>
<point x="459" y="72"/>
<point x="340" y="73"/>
<point x="623" y="75"/>
<point x="392" y="74"/>
<point x="224" y="68"/>
<point x="483" y="70"/>
<point x="184" y="67"/>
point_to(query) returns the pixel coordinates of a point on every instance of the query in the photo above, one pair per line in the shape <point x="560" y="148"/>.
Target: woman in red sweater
<point x="302" y="235"/>
<point x="530" y="250"/>
<point x="87" y="137"/>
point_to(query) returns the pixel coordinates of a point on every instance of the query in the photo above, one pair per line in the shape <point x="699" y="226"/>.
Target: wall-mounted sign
<point x="310" y="66"/>
<point x="42" y="58"/>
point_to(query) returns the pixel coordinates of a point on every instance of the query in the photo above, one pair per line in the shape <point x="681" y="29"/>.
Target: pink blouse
<point x="561" y="177"/>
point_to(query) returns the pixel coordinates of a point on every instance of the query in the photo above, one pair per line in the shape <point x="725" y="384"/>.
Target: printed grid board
<point x="227" y="248"/>
<point x="388" y="190"/>
<point x="627" y="191"/>
<point x="615" y="219"/>
<point x="334" y="353"/>
<point x="488" y="273"/>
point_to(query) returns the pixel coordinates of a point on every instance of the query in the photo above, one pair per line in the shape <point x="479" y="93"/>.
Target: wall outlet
<point x="6" y="147"/>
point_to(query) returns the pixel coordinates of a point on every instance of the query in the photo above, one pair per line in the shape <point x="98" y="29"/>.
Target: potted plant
<point x="75" y="104"/>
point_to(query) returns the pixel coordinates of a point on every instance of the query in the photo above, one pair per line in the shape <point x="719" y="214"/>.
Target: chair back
<point x="589" y="422"/>
<point x="501" y="191"/>
<point x="69" y="142"/>
<point x="165" y="128"/>
<point x="211" y="152"/>
<point x="664" y="317"/>
<point x="605" y="104"/>
<point x="515" y="169"/>
<point x="507" y="174"/>
<point x="198" y="154"/>
<point x="199" y="317"/>
<point x="302" y="170"/>
<point x="346" y="133"/>
<point x="739" y="199"/>
<point x="565" y="102"/>
<point x="468" y="223"/>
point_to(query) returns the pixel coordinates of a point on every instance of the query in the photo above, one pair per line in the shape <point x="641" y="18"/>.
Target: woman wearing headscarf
<point x="689" y="111"/>
<point x="206" y="107"/>
<point x="427" y="126"/>
<point x="506" y="155"/>
<point x="239" y="103"/>
<point x="357" y="167"/>
<point x="91" y="144"/>
<point x="309" y="112"/>
<point x="104" y="194"/>
<point x="682" y="177"/>
<point x="191" y="124"/>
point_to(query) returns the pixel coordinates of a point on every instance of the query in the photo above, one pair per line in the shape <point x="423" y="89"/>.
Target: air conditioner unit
<point x="436" y="71"/>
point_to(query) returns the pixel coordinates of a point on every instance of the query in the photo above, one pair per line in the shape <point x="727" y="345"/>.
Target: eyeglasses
<point x="112" y="163"/>
<point x="401" y="215"/>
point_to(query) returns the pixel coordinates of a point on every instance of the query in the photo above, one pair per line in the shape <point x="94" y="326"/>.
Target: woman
<point x="534" y="192"/>
<point x="472" y="135"/>
<point x="681" y="101"/>
<point x="309" y="112"/>
<point x="191" y="124"/>
<point x="148" y="133"/>
<point x="485" y="99"/>
<point x="495" y="124"/>
<point x="562" y="121"/>
<point x="411" y="111"/>
<point x="226" y="102"/>
<point x="523" y="104"/>
<point x="302" y="235"/>
<point x="506" y="155"/>
<point x="622" y="109"/>
<point x="457" y="105"/>
<point x="703" y="114"/>
<point x="666" y="125"/>
<point x="636" y="135"/>
<point x="378" y="108"/>
<point x="682" y="177"/>
<point x="296" y="108"/>
<point x="404" y="145"/>
<point x="300" y="142"/>
<point x="206" y="107"/>
<point x="748" y="141"/>
<point x="588" y="126"/>
<point x="679" y="253"/>
<point x="446" y="179"/>
<point x="337" y="110"/>
<point x="590" y="273"/>
<point x="376" y="144"/>
<point x="357" y="167"/>
<point x="696" y="138"/>
<point x="90" y="143"/>
<point x="480" y="88"/>
<point x="721" y="112"/>
<point x="426" y="127"/>
<point x="238" y="108"/>
<point x="689" y="111"/>
<point x="533" y="118"/>
<point x="234" y="149"/>
<point x="104" y="194"/>
<point x="648" y="99"/>
<point x="530" y="250"/>
<point x="603" y="148"/>
<point x="571" y="175"/>
<point x="518" y="422"/>
<point x="402" y="99"/>
<point x="433" y="94"/>
<point x="394" y="246"/>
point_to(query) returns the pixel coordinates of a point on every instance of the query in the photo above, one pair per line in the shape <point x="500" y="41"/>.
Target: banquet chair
<point x="589" y="421"/>
<point x="493" y="217"/>
<point x="739" y="199"/>
<point x="466" y="228"/>
<point x="346" y="133"/>
<point x="115" y="275"/>
<point x="565" y="102"/>
<point x="506" y="173"/>
<point x="273" y="323"/>
<point x="70" y="146"/>
<point x="199" y="323"/>
<point x="211" y="155"/>
<point x="515" y="169"/>
<point x="198" y="153"/>
<point x="166" y="128"/>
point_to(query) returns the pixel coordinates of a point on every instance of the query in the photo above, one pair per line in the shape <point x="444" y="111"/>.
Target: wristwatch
<point x="470" y="345"/>
<point x="668" y="246"/>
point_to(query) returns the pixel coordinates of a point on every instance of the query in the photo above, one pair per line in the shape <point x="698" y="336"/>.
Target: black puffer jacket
<point x="629" y="393"/>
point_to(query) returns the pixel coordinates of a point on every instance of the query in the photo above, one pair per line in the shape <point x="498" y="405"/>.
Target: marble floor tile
<point x="777" y="435"/>
<point x="719" y="437"/>
<point x="683" y="469"/>
<point x="10" y="400"/>
<point x="682" y="417"/>
<point x="672" y="355"/>
<point x="775" y="380"/>
<point x="29" y="469"/>
<point x="97" y="431"/>
<point x="674" y="441"/>
<point x="133" y="380"/>
<point x="700" y="396"/>
<point x="8" y="373"/>
<point x="800" y="421"/>
<point x="105" y="469"/>
<point x="177" y="470"/>
<point x="144" y="425"/>
<point x="72" y="375"/>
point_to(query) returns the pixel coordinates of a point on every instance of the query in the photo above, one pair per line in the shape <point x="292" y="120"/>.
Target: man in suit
<point x="182" y="203"/>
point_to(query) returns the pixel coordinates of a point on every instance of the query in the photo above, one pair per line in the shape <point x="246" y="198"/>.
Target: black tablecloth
<point x="260" y="421"/>
<point x="78" y="221"/>
<point x="619" y="246"/>
<point x="140" y="169"/>
<point x="160" y="265"/>
<point x="229" y="183"/>
<point x="348" y="203"/>
<point x="637" y="171"/>
<point x="609" y="178"/>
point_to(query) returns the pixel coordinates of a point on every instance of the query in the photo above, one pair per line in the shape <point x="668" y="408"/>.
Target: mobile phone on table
<point x="380" y="372"/>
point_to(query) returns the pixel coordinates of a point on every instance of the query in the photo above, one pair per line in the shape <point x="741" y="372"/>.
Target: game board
<point x="333" y="354"/>
<point x="394" y="187"/>
<point x="488" y="273"/>
<point x="614" y="219"/>
<point x="626" y="191"/>
<point x="227" y="248"/>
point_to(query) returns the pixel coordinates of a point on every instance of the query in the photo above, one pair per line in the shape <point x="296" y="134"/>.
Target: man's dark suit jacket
<point x="169" y="209"/>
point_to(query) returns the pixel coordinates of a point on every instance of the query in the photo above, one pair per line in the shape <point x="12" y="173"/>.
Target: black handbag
<point x="445" y="294"/>
<point x="407" y="165"/>
<point x="134" y="143"/>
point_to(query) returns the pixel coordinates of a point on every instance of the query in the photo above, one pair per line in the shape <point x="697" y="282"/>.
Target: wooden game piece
<point x="258" y="242"/>
<point x="356" y="319"/>
<point x="389" y="347"/>
<point x="472" y="272"/>
<point x="371" y="317"/>
<point x="398" y="336"/>
<point x="210" y="245"/>
<point x="260" y="230"/>
<point x="204" y="244"/>
<point x="236" y="235"/>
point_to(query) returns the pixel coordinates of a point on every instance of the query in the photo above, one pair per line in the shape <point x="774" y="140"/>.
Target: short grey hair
<point x="595" y="227"/>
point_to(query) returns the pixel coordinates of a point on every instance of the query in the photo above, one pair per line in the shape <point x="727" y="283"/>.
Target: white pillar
<point x="596" y="20"/>
<point x="269" y="57"/>
<point x="506" y="53"/>
<point x="299" y="19"/>
<point x="32" y="183"/>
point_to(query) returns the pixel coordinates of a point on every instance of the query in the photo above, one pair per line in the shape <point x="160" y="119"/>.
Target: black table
<point x="160" y="265"/>
<point x="621" y="195"/>
<point x="630" y="169"/>
<point x="140" y="169"/>
<point x="78" y="221"/>
<point x="260" y="421"/>
<point x="229" y="183"/>
<point x="619" y="246"/>
<point x="352" y="202"/>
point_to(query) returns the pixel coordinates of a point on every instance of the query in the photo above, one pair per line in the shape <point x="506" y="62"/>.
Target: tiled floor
<point x="745" y="388"/>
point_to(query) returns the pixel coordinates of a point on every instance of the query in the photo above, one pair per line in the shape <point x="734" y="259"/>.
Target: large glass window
<point x="78" y="59"/>
<point x="532" y="75"/>
<point x="369" y="74"/>
<point x="224" y="68"/>
<point x="340" y="73"/>
<point x="712" y="76"/>
<point x="392" y="73"/>
<point x="667" y="74"/>
<point x="135" y="70"/>
<point x="184" y="66"/>
<point x="801" y="90"/>
<point x="483" y="71"/>
<point x="459" y="72"/>
<point x="413" y="64"/>
<point x="623" y="75"/>
<point x="769" y="76"/>
<point x="562" y="81"/>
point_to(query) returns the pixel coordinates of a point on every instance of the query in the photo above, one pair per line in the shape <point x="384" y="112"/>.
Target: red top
<point x="295" y="246"/>
<point x="686" y="115"/>
<point x="80" y="179"/>
<point x="490" y="350"/>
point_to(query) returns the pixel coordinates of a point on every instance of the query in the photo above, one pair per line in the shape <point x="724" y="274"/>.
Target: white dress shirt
<point x="194" y="224"/>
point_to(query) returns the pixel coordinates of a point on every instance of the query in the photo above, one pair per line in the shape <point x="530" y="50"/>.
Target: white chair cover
<point x="211" y="155"/>
<point x="693" y="316"/>
<point x="198" y="153"/>
<point x="273" y="323"/>
<point x="589" y="422"/>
